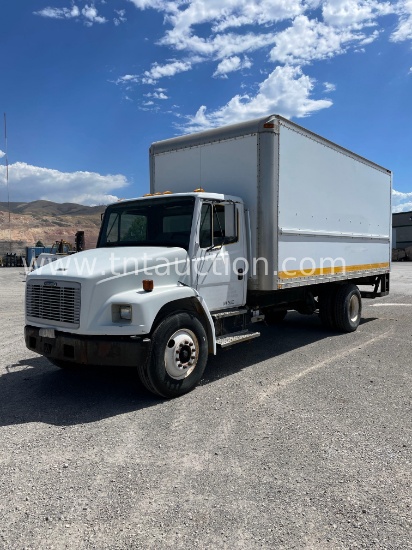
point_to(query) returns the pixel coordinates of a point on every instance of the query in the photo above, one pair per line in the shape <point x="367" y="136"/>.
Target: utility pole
<point x="7" y="177"/>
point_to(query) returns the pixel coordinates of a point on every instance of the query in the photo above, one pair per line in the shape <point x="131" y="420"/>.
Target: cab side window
<point x="218" y="225"/>
<point x="205" y="235"/>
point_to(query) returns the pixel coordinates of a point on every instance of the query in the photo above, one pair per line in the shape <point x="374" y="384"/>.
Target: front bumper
<point x="89" y="350"/>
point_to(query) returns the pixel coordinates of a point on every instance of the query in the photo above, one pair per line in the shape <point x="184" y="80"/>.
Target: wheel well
<point x="186" y="304"/>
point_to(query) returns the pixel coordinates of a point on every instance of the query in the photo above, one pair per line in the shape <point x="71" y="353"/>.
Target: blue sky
<point x="88" y="86"/>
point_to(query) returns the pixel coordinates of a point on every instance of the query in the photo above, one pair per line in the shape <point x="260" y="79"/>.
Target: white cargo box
<point x="318" y="212"/>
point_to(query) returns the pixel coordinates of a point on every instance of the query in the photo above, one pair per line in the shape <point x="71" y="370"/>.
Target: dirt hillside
<point x="46" y="222"/>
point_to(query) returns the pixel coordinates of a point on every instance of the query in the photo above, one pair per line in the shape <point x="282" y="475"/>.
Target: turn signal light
<point x="148" y="285"/>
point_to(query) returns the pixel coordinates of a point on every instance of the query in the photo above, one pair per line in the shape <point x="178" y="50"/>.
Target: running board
<point x="235" y="338"/>
<point x="228" y="313"/>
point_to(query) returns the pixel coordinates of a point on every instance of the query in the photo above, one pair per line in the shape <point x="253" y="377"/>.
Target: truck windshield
<point x="149" y="222"/>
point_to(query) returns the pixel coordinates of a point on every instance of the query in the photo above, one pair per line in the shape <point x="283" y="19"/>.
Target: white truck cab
<point x="155" y="255"/>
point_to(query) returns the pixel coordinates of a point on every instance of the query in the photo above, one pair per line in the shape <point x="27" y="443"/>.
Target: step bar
<point x="228" y="340"/>
<point x="228" y="313"/>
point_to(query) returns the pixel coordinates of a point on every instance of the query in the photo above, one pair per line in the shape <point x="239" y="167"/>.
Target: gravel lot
<point x="301" y="439"/>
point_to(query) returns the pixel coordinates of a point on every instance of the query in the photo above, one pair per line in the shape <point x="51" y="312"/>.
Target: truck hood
<point x="102" y="264"/>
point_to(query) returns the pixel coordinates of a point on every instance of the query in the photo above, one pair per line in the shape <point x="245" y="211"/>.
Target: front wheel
<point x="178" y="357"/>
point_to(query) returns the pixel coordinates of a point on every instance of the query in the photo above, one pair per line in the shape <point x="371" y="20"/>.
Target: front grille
<point x="56" y="302"/>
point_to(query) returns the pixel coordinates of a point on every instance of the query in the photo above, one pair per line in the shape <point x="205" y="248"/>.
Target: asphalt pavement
<point x="300" y="439"/>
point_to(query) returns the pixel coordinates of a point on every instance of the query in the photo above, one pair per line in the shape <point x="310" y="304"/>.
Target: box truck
<point x="242" y="223"/>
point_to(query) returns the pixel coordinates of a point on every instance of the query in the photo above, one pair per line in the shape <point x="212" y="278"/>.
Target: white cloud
<point x="229" y="13"/>
<point x="59" y="13"/>
<point x="143" y="4"/>
<point x="232" y="64"/>
<point x="219" y="46"/>
<point x="2" y="154"/>
<point x="127" y="78"/>
<point x="347" y="13"/>
<point x="401" y="202"/>
<point x="27" y="183"/>
<point x="169" y="69"/>
<point x="229" y="32"/>
<point x="286" y="91"/>
<point x="404" y="29"/>
<point x="88" y="14"/>
<point x="308" y="39"/>
<point x="120" y="17"/>
<point x="405" y="207"/>
<point x="329" y="87"/>
<point x="369" y="39"/>
<point x="157" y="95"/>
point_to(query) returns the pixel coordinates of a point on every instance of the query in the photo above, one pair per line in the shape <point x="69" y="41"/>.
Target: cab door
<point x="219" y="269"/>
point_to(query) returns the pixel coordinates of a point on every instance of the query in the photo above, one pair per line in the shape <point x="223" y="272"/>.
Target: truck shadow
<point x="34" y="390"/>
<point x="295" y="332"/>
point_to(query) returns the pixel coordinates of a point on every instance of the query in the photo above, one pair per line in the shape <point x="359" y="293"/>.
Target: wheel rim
<point x="181" y="354"/>
<point x="354" y="308"/>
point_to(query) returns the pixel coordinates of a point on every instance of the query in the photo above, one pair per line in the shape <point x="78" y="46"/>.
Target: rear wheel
<point x="178" y="357"/>
<point x="327" y="307"/>
<point x="348" y="308"/>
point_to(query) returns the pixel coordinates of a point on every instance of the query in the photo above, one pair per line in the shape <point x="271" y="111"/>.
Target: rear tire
<point x="178" y="356"/>
<point x="348" y="308"/>
<point x="327" y="307"/>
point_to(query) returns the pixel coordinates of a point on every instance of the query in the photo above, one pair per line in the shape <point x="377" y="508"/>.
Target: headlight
<point x="125" y="312"/>
<point x="121" y="312"/>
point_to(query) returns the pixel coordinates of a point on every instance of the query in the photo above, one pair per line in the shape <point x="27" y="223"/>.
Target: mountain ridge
<point x="46" y="221"/>
<point x="51" y="208"/>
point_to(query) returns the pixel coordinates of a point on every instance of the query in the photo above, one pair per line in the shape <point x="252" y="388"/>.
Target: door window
<point x="218" y="225"/>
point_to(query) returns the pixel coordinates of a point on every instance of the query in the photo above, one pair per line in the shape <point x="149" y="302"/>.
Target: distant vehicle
<point x="12" y="260"/>
<point x="59" y="249"/>
<point x="287" y="221"/>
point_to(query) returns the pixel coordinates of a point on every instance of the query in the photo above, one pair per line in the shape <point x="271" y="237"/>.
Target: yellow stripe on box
<point x="296" y="274"/>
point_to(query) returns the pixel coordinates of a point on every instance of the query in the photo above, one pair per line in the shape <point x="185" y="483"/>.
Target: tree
<point x="137" y="231"/>
<point x="39" y="244"/>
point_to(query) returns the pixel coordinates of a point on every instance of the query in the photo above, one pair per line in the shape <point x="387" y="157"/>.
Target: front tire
<point x="178" y="356"/>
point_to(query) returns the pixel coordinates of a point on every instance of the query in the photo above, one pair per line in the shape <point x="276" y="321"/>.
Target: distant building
<point x="402" y="230"/>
